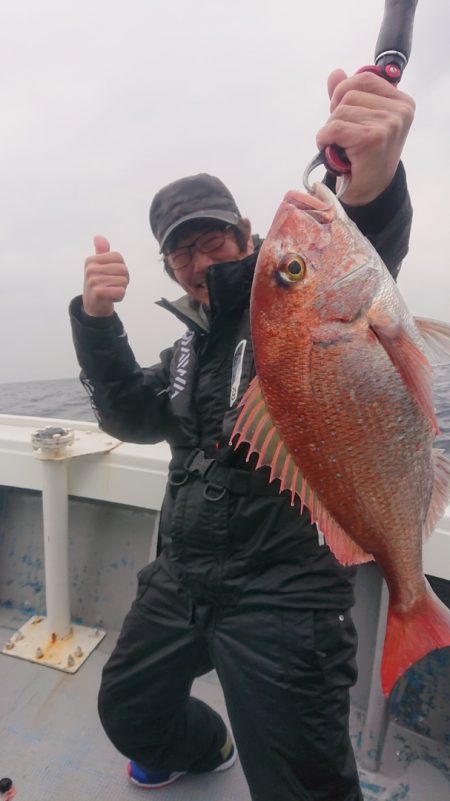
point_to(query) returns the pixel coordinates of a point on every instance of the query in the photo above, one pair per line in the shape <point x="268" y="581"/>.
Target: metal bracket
<point x="36" y="643"/>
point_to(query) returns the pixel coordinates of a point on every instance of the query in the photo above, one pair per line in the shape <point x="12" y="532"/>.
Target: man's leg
<point x="286" y="678"/>
<point x="144" y="700"/>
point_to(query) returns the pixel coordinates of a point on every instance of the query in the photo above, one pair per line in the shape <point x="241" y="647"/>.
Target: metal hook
<point x="342" y="181"/>
<point x="317" y="161"/>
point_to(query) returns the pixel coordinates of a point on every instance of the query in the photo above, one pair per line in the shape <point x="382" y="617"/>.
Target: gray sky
<point x="103" y="102"/>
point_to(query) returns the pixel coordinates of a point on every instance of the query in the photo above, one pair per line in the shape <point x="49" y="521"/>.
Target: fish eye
<point x="292" y="268"/>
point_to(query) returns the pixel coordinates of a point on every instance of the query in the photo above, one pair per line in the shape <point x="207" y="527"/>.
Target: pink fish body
<point x="342" y="408"/>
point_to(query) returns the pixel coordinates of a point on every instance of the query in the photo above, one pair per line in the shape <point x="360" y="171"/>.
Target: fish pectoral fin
<point x="440" y="496"/>
<point x="436" y="336"/>
<point x="255" y="427"/>
<point x="408" y="359"/>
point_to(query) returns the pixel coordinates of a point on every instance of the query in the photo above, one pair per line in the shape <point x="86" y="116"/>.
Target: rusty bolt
<point x="70" y="661"/>
<point x="39" y="653"/>
<point x="9" y="645"/>
<point x="78" y="651"/>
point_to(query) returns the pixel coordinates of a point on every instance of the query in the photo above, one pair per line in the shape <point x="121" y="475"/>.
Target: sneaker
<point x="152" y="779"/>
<point x="155" y="779"/>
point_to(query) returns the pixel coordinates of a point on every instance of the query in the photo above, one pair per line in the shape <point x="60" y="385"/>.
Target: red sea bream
<point x="342" y="409"/>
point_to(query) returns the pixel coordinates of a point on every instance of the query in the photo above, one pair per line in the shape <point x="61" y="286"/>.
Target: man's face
<point x="198" y="250"/>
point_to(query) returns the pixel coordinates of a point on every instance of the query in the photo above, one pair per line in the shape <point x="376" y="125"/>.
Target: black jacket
<point x="190" y="399"/>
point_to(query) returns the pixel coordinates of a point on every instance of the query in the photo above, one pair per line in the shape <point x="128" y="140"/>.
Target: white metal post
<point x="53" y="640"/>
<point x="56" y="546"/>
<point x="375" y="725"/>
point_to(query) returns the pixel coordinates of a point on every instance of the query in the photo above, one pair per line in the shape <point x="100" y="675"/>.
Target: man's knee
<point x="135" y="730"/>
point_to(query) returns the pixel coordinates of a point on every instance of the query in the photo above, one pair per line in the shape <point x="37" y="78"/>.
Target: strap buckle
<point x="198" y="464"/>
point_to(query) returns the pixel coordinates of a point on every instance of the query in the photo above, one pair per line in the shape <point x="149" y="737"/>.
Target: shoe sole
<point x="227" y="764"/>
<point x="160" y="785"/>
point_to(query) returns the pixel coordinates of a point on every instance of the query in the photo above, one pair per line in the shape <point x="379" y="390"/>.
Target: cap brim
<point x="206" y="214"/>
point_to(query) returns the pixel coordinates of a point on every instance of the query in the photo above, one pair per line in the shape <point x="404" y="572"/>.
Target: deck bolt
<point x="70" y="661"/>
<point x="18" y="636"/>
<point x="78" y="651"/>
<point x="9" y="645"/>
<point x="39" y="653"/>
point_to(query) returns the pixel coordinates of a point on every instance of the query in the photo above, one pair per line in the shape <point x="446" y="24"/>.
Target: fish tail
<point x="411" y="636"/>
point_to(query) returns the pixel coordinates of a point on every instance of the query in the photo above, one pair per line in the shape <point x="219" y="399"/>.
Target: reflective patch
<point x="236" y="372"/>
<point x="179" y="381"/>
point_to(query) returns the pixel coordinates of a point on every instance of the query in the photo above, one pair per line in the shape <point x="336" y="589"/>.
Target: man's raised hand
<point x="105" y="279"/>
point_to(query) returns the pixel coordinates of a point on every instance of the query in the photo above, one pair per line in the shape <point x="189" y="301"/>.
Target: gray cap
<point x="196" y="197"/>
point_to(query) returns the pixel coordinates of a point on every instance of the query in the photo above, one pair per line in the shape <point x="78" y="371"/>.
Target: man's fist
<point x="370" y="119"/>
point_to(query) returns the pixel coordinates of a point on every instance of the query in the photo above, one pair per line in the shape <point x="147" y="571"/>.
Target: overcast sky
<point x="104" y="102"/>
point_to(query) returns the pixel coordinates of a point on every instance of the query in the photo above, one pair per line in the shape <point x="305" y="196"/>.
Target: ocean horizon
<point x="66" y="398"/>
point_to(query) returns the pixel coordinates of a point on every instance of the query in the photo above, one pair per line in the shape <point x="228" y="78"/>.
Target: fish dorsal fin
<point x="255" y="427"/>
<point x="436" y="336"/>
<point x="408" y="359"/>
<point x="441" y="491"/>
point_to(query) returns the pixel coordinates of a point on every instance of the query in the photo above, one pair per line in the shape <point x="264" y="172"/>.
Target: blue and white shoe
<point x="155" y="779"/>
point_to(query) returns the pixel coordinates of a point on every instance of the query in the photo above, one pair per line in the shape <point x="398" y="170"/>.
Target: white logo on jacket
<point x="179" y="381"/>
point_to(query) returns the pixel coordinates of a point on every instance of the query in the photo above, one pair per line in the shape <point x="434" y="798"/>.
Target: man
<point x="242" y="583"/>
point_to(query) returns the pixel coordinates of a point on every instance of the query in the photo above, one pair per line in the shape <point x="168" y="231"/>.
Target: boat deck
<point x="54" y="748"/>
<point x="51" y="742"/>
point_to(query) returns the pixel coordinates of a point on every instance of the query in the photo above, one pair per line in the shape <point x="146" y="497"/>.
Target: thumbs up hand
<point x="105" y="279"/>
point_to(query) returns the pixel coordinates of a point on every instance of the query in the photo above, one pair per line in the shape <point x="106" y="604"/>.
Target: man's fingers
<point x="362" y="82"/>
<point x="334" y="78"/>
<point x="105" y="263"/>
<point x="347" y="134"/>
<point x="101" y="244"/>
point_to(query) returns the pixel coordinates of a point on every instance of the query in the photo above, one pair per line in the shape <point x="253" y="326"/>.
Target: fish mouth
<point x="315" y="207"/>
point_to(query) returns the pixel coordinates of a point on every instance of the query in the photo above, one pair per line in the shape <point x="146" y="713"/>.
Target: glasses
<point x="207" y="242"/>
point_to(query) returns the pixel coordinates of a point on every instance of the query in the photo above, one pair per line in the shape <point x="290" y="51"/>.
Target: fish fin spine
<point x="255" y="427"/>
<point x="436" y="336"/>
<point x="346" y="550"/>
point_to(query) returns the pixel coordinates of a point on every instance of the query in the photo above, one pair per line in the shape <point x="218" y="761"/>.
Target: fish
<point x="341" y="408"/>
